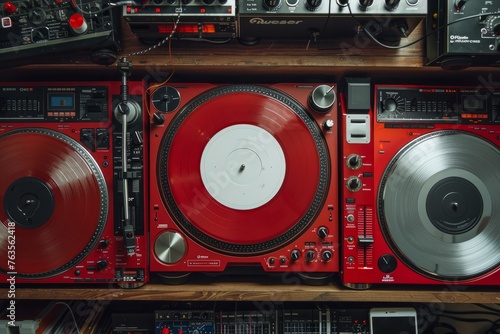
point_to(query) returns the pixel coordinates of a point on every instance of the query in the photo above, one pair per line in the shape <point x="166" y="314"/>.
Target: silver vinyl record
<point x="439" y="205"/>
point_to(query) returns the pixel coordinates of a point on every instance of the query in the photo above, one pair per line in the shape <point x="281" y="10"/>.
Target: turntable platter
<point x="54" y="192"/>
<point x="437" y="205"/>
<point x="256" y="172"/>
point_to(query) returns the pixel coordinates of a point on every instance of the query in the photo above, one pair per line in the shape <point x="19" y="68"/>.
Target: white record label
<point x="243" y="167"/>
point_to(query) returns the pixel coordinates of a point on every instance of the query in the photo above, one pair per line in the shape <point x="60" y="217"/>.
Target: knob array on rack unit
<point x="251" y="20"/>
<point x="465" y="42"/>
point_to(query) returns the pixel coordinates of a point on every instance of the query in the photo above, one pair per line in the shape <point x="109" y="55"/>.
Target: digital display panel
<point x="61" y="102"/>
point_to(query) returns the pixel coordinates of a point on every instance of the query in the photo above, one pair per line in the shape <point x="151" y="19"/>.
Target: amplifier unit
<point x="32" y="29"/>
<point x="467" y="33"/>
<point x="281" y="18"/>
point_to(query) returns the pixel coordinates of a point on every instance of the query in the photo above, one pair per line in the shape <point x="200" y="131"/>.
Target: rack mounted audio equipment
<point x="32" y="29"/>
<point x="467" y="33"/>
<point x="156" y="19"/>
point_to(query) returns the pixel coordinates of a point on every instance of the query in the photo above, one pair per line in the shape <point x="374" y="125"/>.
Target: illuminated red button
<point x="9" y="7"/>
<point x="77" y="23"/>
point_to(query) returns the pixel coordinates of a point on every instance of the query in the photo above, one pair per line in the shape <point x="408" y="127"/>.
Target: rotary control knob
<point x="310" y="255"/>
<point x="354" y="161"/>
<point x="104" y="243"/>
<point x="170" y="247"/>
<point x="271" y="4"/>
<point x="37" y="16"/>
<point x="101" y="264"/>
<point x="323" y="232"/>
<point x="353" y="183"/>
<point x="459" y="4"/>
<point x="387" y="263"/>
<point x="313" y="5"/>
<point x="493" y="25"/>
<point x="342" y="3"/>
<point x="363" y="4"/>
<point x="322" y="98"/>
<point x="389" y="105"/>
<point x="327" y="255"/>
<point x="328" y="124"/>
<point x="391" y="4"/>
<point x="295" y="255"/>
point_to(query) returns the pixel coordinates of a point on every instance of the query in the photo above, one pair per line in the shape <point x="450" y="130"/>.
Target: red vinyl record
<point x="243" y="169"/>
<point x="54" y="192"/>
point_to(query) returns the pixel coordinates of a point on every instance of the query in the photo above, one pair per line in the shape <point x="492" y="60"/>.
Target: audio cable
<point x="160" y="43"/>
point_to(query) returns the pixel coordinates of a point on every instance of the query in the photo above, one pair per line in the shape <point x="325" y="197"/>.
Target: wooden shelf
<point x="286" y="57"/>
<point x="238" y="291"/>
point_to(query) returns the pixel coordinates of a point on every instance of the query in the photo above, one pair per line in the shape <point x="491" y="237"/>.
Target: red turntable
<point x="61" y="190"/>
<point x="244" y="175"/>
<point x="420" y="190"/>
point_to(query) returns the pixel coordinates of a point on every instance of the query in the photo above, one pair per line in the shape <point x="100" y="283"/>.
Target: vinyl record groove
<point x="438" y="205"/>
<point x="55" y="193"/>
<point x="256" y="172"/>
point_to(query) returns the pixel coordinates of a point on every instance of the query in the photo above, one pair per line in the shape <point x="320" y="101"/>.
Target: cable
<point x="160" y="43"/>
<point x="72" y="315"/>
<point x="420" y="39"/>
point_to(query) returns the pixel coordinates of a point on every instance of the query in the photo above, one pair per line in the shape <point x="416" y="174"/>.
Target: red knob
<point x="77" y="23"/>
<point x="9" y="7"/>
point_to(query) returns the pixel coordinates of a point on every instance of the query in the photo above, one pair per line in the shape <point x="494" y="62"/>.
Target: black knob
<point x="295" y="255"/>
<point x="459" y="4"/>
<point x="158" y="118"/>
<point x="353" y="183"/>
<point x="391" y="4"/>
<point x="365" y="3"/>
<point x="271" y="4"/>
<point x="101" y="264"/>
<point x="343" y="3"/>
<point x="103" y="243"/>
<point x="327" y="255"/>
<point x="310" y="255"/>
<point x="354" y="161"/>
<point x="387" y="263"/>
<point x="323" y="232"/>
<point x="313" y="4"/>
<point x="390" y="105"/>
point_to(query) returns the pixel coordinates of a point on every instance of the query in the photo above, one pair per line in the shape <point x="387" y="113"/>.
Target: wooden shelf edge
<point x="263" y="292"/>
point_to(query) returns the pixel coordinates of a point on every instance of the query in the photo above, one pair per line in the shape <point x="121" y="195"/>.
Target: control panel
<point x="438" y="105"/>
<point x="32" y="28"/>
<point x="54" y="104"/>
